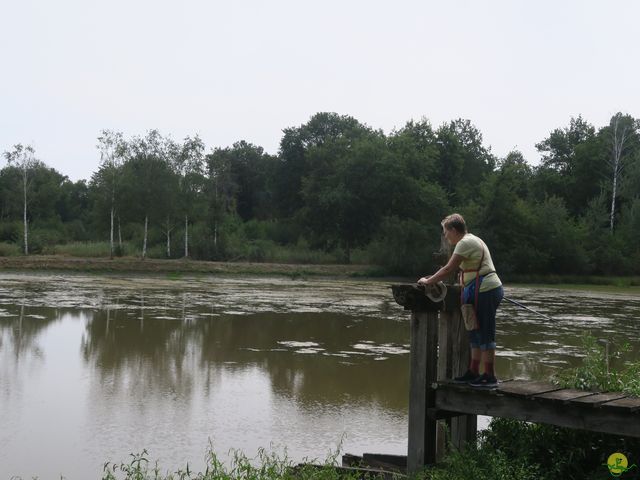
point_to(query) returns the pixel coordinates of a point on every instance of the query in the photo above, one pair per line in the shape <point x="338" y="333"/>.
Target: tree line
<point x="346" y="191"/>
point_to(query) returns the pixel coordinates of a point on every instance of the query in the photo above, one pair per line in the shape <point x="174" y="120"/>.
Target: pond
<point x="95" y="367"/>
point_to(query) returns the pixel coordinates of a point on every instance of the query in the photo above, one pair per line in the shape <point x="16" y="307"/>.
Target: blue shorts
<point x="485" y="337"/>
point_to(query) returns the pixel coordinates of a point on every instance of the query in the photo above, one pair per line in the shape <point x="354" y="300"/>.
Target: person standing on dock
<point x="473" y="258"/>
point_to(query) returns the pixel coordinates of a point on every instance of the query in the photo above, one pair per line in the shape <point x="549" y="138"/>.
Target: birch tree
<point x="150" y="180"/>
<point x="23" y="157"/>
<point x="222" y="190"/>
<point x="112" y="149"/>
<point x="622" y="129"/>
<point x="189" y="167"/>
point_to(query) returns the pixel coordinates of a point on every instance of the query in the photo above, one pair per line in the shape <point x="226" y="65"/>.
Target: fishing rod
<point x="437" y="292"/>
<point x="527" y="308"/>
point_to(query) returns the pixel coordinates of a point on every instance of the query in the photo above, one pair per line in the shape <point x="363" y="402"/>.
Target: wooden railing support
<point x="455" y="356"/>
<point x="423" y="372"/>
<point x="439" y="350"/>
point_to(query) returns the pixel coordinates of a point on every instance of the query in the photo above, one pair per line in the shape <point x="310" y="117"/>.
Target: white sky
<point x="247" y="69"/>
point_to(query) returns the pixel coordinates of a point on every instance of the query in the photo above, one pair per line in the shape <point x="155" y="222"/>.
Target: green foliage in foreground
<point x="596" y="372"/>
<point x="266" y="466"/>
<point x="9" y="249"/>
<point x="511" y="449"/>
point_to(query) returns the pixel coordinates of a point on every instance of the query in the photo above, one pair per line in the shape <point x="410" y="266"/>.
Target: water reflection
<point x="95" y="367"/>
<point x="306" y="356"/>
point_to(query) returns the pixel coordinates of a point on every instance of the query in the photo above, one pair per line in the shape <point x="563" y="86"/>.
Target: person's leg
<point x="473" y="371"/>
<point x="476" y="357"/>
<point x="488" y="303"/>
<point x="488" y="360"/>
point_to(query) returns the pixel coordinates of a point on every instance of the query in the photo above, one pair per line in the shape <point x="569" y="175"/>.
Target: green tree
<point x="188" y="163"/>
<point x="325" y="131"/>
<point x="251" y="172"/>
<point x="148" y="182"/>
<point x="221" y="191"/>
<point x="415" y="147"/>
<point x="572" y="166"/>
<point x="504" y="217"/>
<point x="463" y="162"/>
<point x="11" y="201"/>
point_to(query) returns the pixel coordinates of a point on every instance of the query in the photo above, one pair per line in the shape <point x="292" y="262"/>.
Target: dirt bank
<point x="132" y="264"/>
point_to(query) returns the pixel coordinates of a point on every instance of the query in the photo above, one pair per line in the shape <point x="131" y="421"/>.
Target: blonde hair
<point x="456" y="222"/>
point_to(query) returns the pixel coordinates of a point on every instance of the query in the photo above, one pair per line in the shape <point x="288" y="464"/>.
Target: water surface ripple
<point x="94" y="367"/>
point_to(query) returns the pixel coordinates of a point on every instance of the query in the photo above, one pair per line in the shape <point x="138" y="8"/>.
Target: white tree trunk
<point x="613" y="202"/>
<point x="26" y="227"/>
<point x="144" y="243"/>
<point x="119" y="234"/>
<point x="111" y="234"/>
<point x="618" y="140"/>
<point x="186" y="236"/>
<point x="168" y="239"/>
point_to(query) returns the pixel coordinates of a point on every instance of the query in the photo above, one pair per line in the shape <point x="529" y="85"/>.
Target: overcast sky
<point x="245" y="70"/>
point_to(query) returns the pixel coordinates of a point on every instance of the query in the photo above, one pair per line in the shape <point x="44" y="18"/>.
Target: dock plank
<point x="564" y="395"/>
<point x="572" y="415"/>
<point x="523" y="388"/>
<point x="627" y="404"/>
<point x="599" y="399"/>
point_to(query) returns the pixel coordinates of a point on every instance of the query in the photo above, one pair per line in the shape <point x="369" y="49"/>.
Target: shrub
<point x="404" y="246"/>
<point x="10" y="231"/>
<point x="9" y="249"/>
<point x="512" y="449"/>
<point x="596" y="372"/>
<point x="81" y="249"/>
<point x="267" y="465"/>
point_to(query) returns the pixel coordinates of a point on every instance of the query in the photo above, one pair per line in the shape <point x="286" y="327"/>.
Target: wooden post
<point x="423" y="372"/>
<point x="439" y="350"/>
<point x="454" y="361"/>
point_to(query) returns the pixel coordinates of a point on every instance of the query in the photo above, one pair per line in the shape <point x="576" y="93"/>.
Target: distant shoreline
<point x="137" y="265"/>
<point x="65" y="263"/>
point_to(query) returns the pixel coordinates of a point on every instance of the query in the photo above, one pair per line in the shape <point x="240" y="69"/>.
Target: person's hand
<point x="425" y="281"/>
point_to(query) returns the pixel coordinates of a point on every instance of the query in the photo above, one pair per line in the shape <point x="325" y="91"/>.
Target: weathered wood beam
<point x="457" y="355"/>
<point x="423" y="372"/>
<point x="477" y="402"/>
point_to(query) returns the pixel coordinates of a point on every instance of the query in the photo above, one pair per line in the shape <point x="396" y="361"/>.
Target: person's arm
<point x="452" y="266"/>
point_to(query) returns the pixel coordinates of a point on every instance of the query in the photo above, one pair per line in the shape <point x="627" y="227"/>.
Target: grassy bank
<point x="266" y="466"/>
<point x="134" y="264"/>
<point x="561" y="281"/>
<point x="96" y="260"/>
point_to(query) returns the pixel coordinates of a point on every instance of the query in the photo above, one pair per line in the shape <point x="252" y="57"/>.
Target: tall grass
<point x="85" y="249"/>
<point x="268" y="465"/>
<point x="512" y="449"/>
<point x="9" y="249"/>
<point x="602" y="370"/>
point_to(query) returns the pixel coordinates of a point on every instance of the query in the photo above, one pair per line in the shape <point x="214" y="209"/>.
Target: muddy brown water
<point x="95" y="367"/>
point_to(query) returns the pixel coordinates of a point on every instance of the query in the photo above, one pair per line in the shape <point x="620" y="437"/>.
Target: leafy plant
<point x="596" y="373"/>
<point x="267" y="465"/>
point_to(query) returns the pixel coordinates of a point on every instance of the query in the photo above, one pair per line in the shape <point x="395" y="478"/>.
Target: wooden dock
<point x="440" y="351"/>
<point x="539" y="402"/>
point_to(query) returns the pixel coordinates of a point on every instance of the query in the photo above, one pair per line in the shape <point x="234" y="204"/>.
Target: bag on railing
<point x="469" y="316"/>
